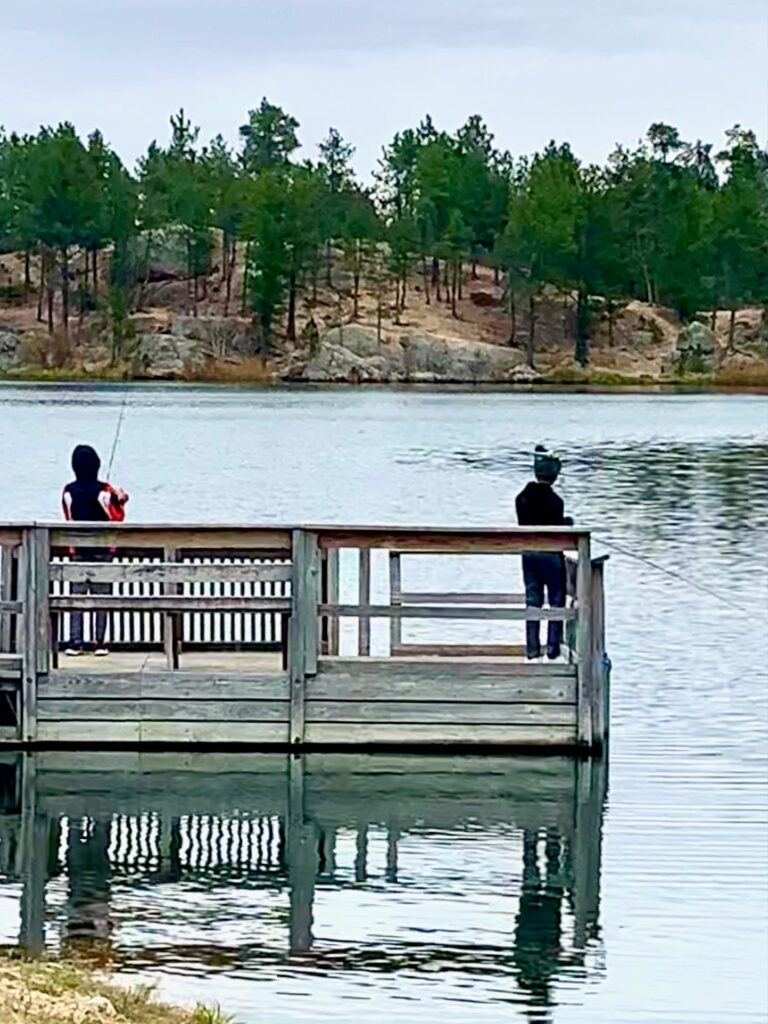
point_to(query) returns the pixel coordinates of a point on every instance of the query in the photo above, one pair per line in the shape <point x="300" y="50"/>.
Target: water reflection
<point x="482" y="870"/>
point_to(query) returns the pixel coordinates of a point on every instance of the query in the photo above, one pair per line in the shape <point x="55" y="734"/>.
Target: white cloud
<point x="592" y="73"/>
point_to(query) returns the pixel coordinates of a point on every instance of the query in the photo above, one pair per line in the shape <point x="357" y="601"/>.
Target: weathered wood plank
<point x="204" y="538"/>
<point x="221" y="733"/>
<point x="387" y="611"/>
<point x="146" y="710"/>
<point x="181" y="603"/>
<point x="446" y="688"/>
<point x="11" y="607"/>
<point x="467" y="597"/>
<point x="168" y="572"/>
<point x="452" y="713"/>
<point x="163" y="686"/>
<point x="10" y="664"/>
<point x="98" y="733"/>
<point x="451" y="540"/>
<point x="429" y="668"/>
<point x="400" y="735"/>
<point x="458" y="650"/>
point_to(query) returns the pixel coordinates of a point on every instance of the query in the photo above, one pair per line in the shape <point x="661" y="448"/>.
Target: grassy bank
<point x="254" y="373"/>
<point x="53" y="992"/>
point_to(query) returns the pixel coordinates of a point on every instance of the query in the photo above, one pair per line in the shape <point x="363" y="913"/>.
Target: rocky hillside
<point x="174" y="336"/>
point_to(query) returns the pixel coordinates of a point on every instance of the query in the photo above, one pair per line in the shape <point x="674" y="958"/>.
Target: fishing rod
<point x="118" y="428"/>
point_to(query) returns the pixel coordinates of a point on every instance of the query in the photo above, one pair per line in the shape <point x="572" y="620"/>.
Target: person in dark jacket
<point x="538" y="504"/>
<point x="88" y="499"/>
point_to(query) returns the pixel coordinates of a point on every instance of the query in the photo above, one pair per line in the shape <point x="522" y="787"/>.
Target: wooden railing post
<point x="172" y="622"/>
<point x="597" y="651"/>
<point x="35" y="627"/>
<point x="304" y="628"/>
<point x="364" y="622"/>
<point x="6" y="594"/>
<point x="584" y="688"/>
<point x="395" y="598"/>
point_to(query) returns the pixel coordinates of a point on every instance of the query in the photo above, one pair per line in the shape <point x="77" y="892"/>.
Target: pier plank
<point x="164" y="710"/>
<point x="445" y="687"/>
<point x="388" y="611"/>
<point x="398" y="734"/>
<point x="453" y="713"/>
<point x="181" y="603"/>
<point x="217" y="733"/>
<point x="164" y="686"/>
<point x="168" y="572"/>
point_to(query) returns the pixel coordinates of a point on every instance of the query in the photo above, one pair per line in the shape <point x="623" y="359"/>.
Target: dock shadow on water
<point x="233" y="877"/>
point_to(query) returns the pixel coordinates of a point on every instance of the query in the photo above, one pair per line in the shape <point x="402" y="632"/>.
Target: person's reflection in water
<point x="88" y="868"/>
<point x="538" y="930"/>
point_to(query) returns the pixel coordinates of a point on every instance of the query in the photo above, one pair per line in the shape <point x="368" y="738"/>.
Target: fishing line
<point x="118" y="428"/>
<point x="701" y="587"/>
<point x="670" y="572"/>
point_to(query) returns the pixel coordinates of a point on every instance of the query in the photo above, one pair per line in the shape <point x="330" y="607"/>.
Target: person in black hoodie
<point x="89" y="499"/>
<point x="538" y="504"/>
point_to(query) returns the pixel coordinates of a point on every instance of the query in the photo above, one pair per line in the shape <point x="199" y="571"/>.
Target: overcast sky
<point x="593" y="72"/>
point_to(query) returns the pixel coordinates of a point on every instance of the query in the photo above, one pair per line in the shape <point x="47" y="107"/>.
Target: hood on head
<point x="546" y="465"/>
<point x="85" y="463"/>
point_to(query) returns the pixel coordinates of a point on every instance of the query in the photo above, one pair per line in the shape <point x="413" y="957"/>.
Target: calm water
<point x="467" y="904"/>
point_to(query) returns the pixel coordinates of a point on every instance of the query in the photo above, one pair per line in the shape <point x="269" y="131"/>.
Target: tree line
<point x="671" y="222"/>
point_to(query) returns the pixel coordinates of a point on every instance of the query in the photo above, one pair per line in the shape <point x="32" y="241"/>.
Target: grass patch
<point x="58" y="992"/>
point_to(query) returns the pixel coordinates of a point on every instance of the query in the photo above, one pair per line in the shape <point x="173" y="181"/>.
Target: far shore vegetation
<point x="672" y="222"/>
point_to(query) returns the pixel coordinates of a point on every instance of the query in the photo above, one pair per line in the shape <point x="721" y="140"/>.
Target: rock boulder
<point x="695" y="349"/>
<point x="9" y="347"/>
<point x="353" y="354"/>
<point x="169" y="357"/>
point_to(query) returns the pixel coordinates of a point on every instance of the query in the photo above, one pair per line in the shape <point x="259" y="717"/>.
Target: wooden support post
<point x="364" y="624"/>
<point x="395" y="598"/>
<point x="6" y="594"/>
<point x="33" y="860"/>
<point x="583" y="643"/>
<point x="171" y="620"/>
<point x="597" y="653"/>
<point x="304" y="625"/>
<point x="332" y="587"/>
<point x="35" y="623"/>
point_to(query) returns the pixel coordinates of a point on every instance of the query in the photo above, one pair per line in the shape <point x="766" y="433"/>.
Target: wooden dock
<point x="238" y="635"/>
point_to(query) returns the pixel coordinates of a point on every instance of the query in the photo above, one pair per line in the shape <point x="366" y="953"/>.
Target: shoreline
<point x="58" y="991"/>
<point x="599" y="384"/>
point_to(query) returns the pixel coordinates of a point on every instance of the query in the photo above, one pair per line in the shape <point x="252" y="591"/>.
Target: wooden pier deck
<point x="248" y="636"/>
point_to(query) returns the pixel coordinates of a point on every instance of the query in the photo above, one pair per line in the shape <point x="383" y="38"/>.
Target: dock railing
<point x="293" y="575"/>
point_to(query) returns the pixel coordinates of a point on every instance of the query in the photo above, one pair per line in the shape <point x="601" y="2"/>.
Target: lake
<point x="437" y="915"/>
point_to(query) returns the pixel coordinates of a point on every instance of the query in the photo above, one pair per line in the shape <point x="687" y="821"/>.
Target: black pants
<point x="540" y="572"/>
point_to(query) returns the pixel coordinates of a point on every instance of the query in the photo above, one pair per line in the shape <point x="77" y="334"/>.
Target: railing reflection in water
<point x="86" y="835"/>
